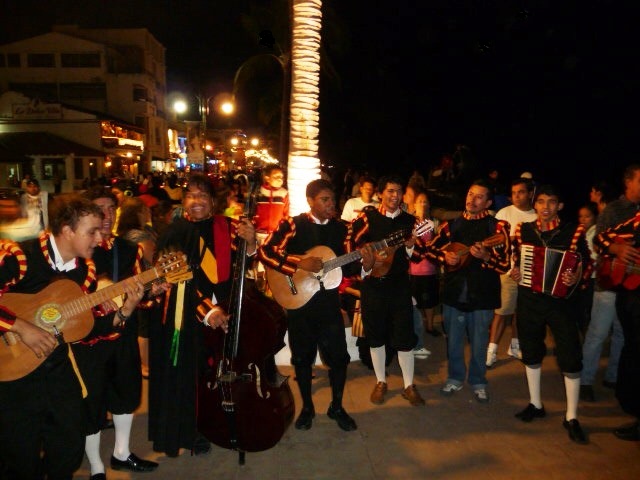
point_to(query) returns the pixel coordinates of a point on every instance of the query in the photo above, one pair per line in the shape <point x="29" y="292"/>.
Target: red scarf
<point x="222" y="246"/>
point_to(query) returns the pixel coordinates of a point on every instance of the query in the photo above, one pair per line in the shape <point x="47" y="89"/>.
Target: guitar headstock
<point x="424" y="227"/>
<point x="173" y="267"/>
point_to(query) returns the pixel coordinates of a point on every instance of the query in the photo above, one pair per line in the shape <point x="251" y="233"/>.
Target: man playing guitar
<point x="43" y="412"/>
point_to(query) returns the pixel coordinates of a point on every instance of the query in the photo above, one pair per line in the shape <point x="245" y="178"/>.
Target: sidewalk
<point x="451" y="438"/>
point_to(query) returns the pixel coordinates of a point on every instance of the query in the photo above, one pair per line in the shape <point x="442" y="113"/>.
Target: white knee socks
<point x="407" y="363"/>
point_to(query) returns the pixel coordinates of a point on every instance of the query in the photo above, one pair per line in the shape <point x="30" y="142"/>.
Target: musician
<point x="109" y="357"/>
<point x="519" y="211"/>
<point x="604" y="321"/>
<point x="535" y="311"/>
<point x="42" y="416"/>
<point x="386" y="305"/>
<point x="622" y="241"/>
<point x="474" y="249"/>
<point x="318" y="324"/>
<point x="175" y="343"/>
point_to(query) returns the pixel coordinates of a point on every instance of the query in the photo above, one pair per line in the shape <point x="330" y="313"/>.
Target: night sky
<point x="540" y="86"/>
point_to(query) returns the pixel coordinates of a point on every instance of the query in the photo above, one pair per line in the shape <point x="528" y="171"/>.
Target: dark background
<point x="539" y="86"/>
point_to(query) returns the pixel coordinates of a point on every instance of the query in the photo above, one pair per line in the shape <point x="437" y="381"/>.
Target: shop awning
<point x="28" y="144"/>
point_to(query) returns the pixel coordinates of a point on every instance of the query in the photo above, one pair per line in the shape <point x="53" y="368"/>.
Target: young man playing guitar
<point x="386" y="305"/>
<point x="622" y="242"/>
<point x="42" y="416"/>
<point x="318" y="324"/>
<point x="109" y="357"/>
<point x="471" y="285"/>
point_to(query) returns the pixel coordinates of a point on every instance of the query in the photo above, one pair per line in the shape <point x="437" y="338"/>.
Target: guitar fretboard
<point x="86" y="302"/>
<point x="350" y="257"/>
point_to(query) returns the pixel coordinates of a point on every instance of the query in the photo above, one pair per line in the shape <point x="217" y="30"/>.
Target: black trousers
<point x="42" y="411"/>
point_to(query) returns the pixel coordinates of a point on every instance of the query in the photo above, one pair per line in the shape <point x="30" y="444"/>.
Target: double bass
<point x="245" y="404"/>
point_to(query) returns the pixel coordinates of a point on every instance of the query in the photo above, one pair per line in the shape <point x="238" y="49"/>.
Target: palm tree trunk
<point x="303" y="160"/>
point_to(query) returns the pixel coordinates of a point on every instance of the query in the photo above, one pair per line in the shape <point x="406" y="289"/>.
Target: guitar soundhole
<point x="49" y="316"/>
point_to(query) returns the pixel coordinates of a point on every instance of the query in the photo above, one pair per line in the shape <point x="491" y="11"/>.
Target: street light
<point x="196" y="152"/>
<point x="266" y="39"/>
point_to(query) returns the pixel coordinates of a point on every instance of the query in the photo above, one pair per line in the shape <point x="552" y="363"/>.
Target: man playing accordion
<point x="544" y="299"/>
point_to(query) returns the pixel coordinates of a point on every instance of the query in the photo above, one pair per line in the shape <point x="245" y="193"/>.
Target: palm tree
<point x="304" y="117"/>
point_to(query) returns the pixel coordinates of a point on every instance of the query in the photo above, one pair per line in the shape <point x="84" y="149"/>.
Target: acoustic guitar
<point x="63" y="309"/>
<point x="294" y="291"/>
<point x="462" y="250"/>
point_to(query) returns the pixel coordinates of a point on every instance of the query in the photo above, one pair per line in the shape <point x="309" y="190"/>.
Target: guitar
<point x="294" y="291"/>
<point x="612" y="272"/>
<point x="462" y="250"/>
<point x="63" y="309"/>
<point x="384" y="259"/>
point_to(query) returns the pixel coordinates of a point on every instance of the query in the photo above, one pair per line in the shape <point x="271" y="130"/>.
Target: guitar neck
<point x="350" y="257"/>
<point x="86" y="302"/>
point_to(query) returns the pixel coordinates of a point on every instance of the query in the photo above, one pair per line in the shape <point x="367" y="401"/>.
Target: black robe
<point x="173" y="388"/>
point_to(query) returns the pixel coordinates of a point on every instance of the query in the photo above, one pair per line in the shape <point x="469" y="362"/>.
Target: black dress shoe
<point x="631" y="433"/>
<point x="98" y="476"/>
<point x="133" y="464"/>
<point x="108" y="424"/>
<point x="345" y="422"/>
<point x="575" y="431"/>
<point x="530" y="413"/>
<point x="608" y="384"/>
<point x="305" y="420"/>
<point x="434" y="333"/>
<point x="587" y="394"/>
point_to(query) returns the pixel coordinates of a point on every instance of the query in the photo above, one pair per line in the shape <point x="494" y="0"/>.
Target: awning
<point x="30" y="144"/>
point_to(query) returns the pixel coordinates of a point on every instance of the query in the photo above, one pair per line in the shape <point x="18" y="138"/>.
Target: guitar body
<point x="614" y="273"/>
<point x="64" y="309"/>
<point x="383" y="262"/>
<point x="306" y="283"/>
<point x="45" y="310"/>
<point x="462" y="251"/>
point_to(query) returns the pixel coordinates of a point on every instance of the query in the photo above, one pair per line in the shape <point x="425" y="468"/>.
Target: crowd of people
<point x="482" y="266"/>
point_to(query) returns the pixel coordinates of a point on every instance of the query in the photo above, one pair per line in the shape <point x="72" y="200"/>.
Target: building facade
<point x="102" y="88"/>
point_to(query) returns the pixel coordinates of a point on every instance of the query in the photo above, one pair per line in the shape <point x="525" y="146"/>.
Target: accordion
<point x="542" y="268"/>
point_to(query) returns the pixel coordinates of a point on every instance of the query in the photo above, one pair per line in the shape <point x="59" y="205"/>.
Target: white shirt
<point x="353" y="207"/>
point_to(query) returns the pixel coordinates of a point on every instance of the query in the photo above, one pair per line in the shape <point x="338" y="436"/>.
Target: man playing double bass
<point x="176" y="343"/>
<point x="318" y="324"/>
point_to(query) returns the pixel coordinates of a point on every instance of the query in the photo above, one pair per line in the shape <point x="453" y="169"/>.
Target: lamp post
<point x="266" y="38"/>
<point x="197" y="150"/>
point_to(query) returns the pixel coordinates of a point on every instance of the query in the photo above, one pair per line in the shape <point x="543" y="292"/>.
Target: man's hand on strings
<point x="311" y="264"/>
<point x="41" y="342"/>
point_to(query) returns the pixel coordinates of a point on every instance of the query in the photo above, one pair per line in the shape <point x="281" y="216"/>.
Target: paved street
<point x="451" y="438"/>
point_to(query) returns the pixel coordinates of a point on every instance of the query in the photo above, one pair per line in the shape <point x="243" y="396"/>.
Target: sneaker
<point x="481" y="395"/>
<point x="514" y="352"/>
<point x="411" y="393"/>
<point x="380" y="390"/>
<point x="492" y="358"/>
<point x="449" y="389"/>
<point x="421" y="353"/>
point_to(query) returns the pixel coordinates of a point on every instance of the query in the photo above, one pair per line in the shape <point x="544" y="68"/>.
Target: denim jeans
<point x="459" y="325"/>
<point x="603" y="317"/>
